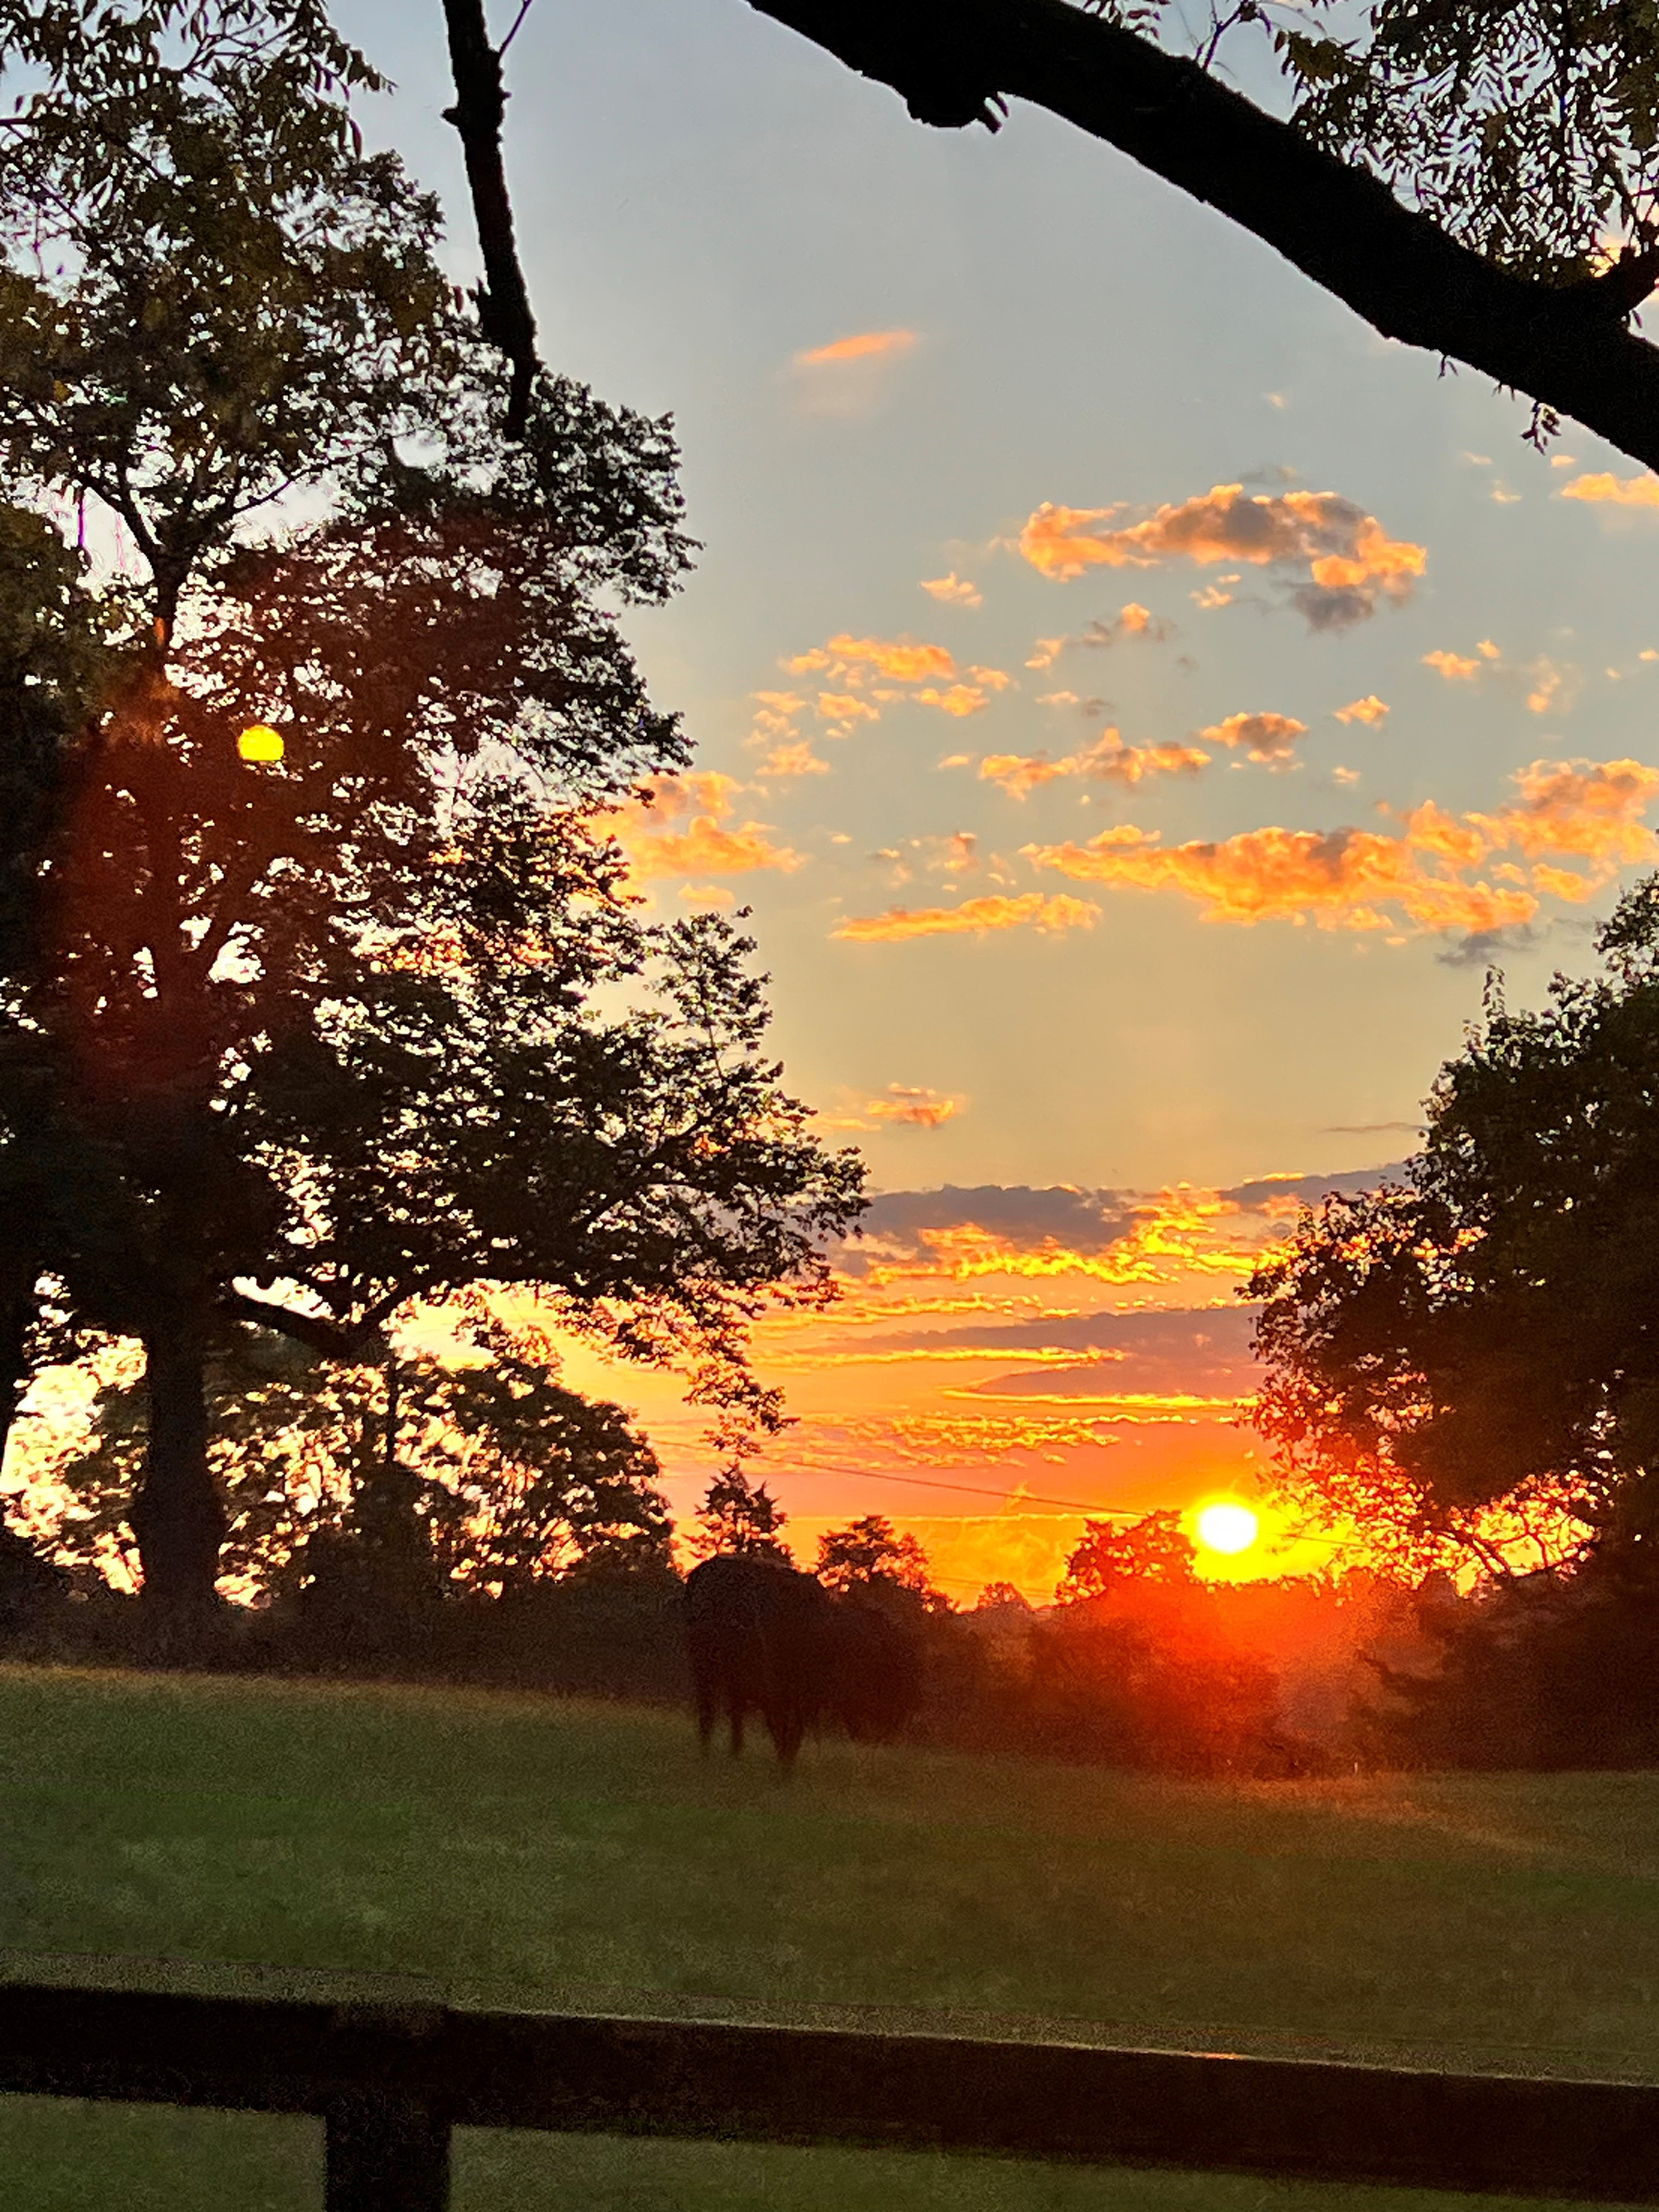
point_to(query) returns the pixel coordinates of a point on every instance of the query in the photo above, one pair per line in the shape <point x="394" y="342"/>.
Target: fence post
<point x="387" y="2151"/>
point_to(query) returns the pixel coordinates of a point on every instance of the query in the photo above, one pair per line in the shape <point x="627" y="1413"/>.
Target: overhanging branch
<point x="953" y="61"/>
<point x="332" y="1339"/>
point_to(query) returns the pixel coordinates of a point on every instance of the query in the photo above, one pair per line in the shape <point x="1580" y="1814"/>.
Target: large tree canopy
<point x="1472" y="1354"/>
<point x="1479" y="181"/>
<point x="364" y="1014"/>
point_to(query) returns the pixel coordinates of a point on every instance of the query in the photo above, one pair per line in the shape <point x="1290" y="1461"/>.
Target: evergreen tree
<point x="737" y="1515"/>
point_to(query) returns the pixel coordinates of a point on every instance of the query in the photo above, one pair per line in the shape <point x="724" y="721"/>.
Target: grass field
<point x="491" y="1847"/>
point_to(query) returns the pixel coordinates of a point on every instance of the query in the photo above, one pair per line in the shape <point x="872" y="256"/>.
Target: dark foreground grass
<point x="499" y="1848"/>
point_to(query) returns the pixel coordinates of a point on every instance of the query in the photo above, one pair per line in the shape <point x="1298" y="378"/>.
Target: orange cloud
<point x="707" y="846"/>
<point x="1541" y="682"/>
<point x="1614" y="491"/>
<point x="1364" y="879"/>
<point x="1173" y="1233"/>
<point x="912" y="1105"/>
<point x="900" y="661"/>
<point x="959" y="700"/>
<point x="917" y="1105"/>
<point x="1267" y="737"/>
<point x="973" y="918"/>
<point x="953" y="590"/>
<point x="1350" y="560"/>
<point x="796" y="759"/>
<point x="1369" y="709"/>
<point x="864" y="345"/>
<point x="1133" y="621"/>
<point x="1108" y="760"/>
<point x="1587" y="808"/>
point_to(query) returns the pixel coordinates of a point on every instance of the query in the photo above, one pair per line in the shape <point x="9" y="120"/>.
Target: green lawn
<point x="495" y="1847"/>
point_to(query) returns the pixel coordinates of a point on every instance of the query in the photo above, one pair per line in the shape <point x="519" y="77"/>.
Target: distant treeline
<point x="1140" y="1664"/>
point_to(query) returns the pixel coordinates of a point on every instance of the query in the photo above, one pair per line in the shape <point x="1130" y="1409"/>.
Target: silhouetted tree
<point x="1002" y="1597"/>
<point x="374" y="1022"/>
<point x="406" y="1481"/>
<point x="739" y="1516"/>
<point x="1152" y="1550"/>
<point x="869" y="1558"/>
<point x="1466" y="1358"/>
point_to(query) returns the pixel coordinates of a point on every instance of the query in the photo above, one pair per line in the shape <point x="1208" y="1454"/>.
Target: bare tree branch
<point x="504" y="314"/>
<point x="956" y="62"/>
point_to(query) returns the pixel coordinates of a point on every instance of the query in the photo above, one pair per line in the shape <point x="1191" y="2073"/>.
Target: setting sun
<point x="260" y="743"/>
<point x="1228" y="1527"/>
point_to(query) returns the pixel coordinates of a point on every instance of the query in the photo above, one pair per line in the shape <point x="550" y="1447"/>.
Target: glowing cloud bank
<point x="1368" y="879"/>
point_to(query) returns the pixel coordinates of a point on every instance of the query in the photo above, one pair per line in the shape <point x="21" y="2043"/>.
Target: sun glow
<point x="1228" y="1527"/>
<point x="260" y="743"/>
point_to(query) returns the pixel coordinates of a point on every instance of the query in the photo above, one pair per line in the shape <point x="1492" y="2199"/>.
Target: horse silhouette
<point x="765" y="1639"/>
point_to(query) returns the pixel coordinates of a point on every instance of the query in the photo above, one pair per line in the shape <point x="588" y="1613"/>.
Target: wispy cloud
<point x="1132" y="621"/>
<point x="900" y="660"/>
<point x="974" y="918"/>
<point x="792" y="760"/>
<point x="953" y="590"/>
<point x="850" y="377"/>
<point x="908" y="1105"/>
<point x="1455" y="668"/>
<point x="861" y="345"/>
<point x="868" y="669"/>
<point x="1350" y="561"/>
<point x="1542" y="683"/>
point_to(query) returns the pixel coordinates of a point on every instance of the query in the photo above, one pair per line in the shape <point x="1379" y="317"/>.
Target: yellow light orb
<point x="1228" y="1527"/>
<point x="260" y="743"/>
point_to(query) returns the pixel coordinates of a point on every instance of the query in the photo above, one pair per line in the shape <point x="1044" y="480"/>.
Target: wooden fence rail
<point x="390" y="2081"/>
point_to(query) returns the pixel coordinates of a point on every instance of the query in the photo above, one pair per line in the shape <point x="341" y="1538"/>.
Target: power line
<point x="1034" y="1497"/>
<point x="976" y="1489"/>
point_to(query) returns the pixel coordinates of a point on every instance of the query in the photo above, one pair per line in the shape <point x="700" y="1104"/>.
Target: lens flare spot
<point x="1228" y="1527"/>
<point x="260" y="743"/>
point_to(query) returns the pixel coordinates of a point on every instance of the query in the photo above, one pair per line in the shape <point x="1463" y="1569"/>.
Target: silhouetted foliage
<point x="870" y="1560"/>
<point x="1147" y="1677"/>
<point x="380" y="1489"/>
<point x="1555" y="1670"/>
<point x="1150" y="1550"/>
<point x="376" y="1023"/>
<point x="741" y="1518"/>
<point x="1466" y="1357"/>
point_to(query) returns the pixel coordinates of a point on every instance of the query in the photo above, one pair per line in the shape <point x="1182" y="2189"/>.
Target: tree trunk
<point x="18" y="1308"/>
<point x="179" y="1517"/>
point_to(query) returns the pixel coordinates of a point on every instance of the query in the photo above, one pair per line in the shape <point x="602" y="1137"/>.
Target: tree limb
<point x="330" y="1338"/>
<point x="955" y="61"/>
<point x="504" y="314"/>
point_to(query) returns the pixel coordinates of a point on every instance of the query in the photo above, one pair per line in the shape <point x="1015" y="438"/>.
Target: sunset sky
<point x="1135" y="701"/>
